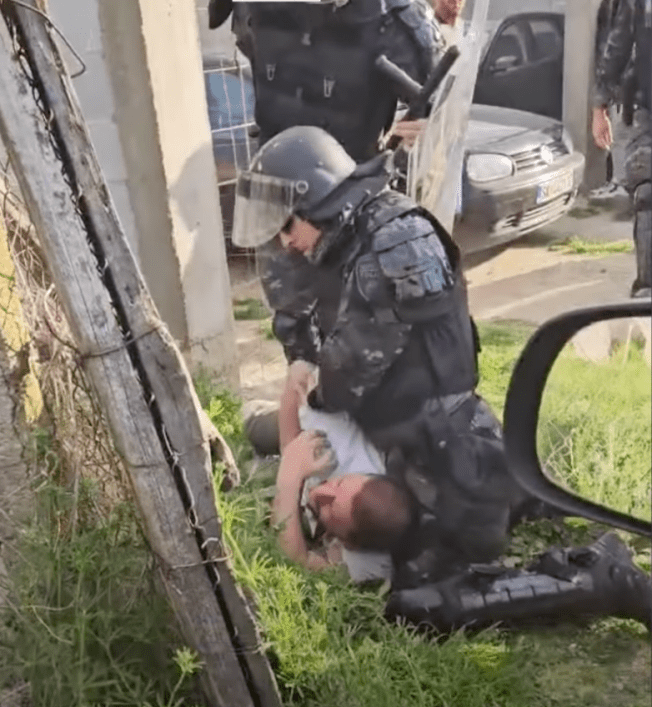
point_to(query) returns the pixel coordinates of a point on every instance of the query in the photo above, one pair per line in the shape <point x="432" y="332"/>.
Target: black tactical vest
<point x="313" y="64"/>
<point x="441" y="356"/>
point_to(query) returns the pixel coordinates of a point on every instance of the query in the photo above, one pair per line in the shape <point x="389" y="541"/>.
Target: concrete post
<point x="579" y="44"/>
<point x="144" y="93"/>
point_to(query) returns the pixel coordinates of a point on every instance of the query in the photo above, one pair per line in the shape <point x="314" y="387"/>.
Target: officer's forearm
<point x="288" y="417"/>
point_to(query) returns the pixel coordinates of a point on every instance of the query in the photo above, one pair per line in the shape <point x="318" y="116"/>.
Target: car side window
<point x="507" y="49"/>
<point x="548" y="42"/>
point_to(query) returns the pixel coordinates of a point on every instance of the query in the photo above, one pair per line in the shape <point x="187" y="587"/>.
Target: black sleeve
<point x="614" y="55"/>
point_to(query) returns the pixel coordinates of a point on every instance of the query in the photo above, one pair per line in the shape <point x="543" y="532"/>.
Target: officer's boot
<point x="563" y="585"/>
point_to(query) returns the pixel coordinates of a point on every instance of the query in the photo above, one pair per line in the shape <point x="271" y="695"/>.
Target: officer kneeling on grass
<point x="401" y="360"/>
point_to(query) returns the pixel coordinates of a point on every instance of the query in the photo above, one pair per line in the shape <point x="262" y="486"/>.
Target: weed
<point x="85" y="624"/>
<point x="205" y="386"/>
<point x="584" y="211"/>
<point x="250" y="309"/>
<point x="580" y="246"/>
<point x="331" y="645"/>
<point x="267" y="330"/>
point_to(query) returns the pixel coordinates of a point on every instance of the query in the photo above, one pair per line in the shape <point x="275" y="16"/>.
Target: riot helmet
<point x="294" y="173"/>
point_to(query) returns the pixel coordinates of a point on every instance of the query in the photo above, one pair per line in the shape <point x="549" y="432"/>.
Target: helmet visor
<point x="263" y="206"/>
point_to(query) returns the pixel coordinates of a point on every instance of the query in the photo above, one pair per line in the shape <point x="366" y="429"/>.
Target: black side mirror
<point x="523" y="404"/>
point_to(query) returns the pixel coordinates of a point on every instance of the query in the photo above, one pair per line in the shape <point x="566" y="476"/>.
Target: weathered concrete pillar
<point x="579" y="44"/>
<point x="143" y="95"/>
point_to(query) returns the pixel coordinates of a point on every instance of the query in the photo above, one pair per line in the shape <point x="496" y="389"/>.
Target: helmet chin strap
<point x="332" y="233"/>
<point x="360" y="190"/>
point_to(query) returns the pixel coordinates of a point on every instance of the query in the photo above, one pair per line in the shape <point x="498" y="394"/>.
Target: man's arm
<point x="307" y="455"/>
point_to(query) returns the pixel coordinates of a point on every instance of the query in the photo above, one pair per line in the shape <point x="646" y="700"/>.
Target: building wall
<point x="144" y="99"/>
<point x="80" y="23"/>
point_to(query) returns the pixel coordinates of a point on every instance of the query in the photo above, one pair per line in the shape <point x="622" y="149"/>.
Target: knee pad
<point x="284" y="327"/>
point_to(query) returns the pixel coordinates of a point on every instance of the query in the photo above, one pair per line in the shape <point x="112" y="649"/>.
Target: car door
<point x="545" y="41"/>
<point x="523" y="65"/>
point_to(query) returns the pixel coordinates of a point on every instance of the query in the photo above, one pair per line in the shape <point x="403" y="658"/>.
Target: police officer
<point x="400" y="358"/>
<point x="313" y="64"/>
<point x="628" y="44"/>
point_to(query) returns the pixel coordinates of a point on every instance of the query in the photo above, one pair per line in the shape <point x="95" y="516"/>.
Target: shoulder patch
<point x="369" y="278"/>
<point x="413" y="258"/>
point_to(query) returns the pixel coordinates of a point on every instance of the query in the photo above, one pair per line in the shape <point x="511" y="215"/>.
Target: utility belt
<point x="437" y="415"/>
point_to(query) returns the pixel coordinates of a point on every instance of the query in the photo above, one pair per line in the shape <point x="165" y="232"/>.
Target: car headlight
<point x="484" y="167"/>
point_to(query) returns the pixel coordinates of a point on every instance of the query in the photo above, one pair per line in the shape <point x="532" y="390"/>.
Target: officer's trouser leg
<point x="643" y="238"/>
<point x="638" y="171"/>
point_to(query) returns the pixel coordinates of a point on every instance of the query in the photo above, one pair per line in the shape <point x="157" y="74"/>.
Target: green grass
<point x="598" y="441"/>
<point x="330" y="644"/>
<point x="86" y="626"/>
<point x="250" y="309"/>
<point x="580" y="246"/>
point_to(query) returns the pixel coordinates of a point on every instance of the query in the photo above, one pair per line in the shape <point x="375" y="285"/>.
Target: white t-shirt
<point x="355" y="455"/>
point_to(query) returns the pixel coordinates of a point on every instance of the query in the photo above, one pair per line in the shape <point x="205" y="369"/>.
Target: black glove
<point x="218" y="12"/>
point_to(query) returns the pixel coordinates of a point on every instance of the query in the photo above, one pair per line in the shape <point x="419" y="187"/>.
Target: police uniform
<point x="313" y="64"/>
<point x="401" y="358"/>
<point x="628" y="45"/>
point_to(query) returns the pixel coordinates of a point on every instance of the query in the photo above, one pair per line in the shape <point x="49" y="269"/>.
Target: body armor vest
<point x="313" y="64"/>
<point x="441" y="356"/>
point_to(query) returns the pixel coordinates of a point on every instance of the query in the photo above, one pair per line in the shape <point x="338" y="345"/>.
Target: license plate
<point x="555" y="187"/>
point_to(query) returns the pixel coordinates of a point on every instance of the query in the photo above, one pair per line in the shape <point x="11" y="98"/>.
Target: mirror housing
<point x="522" y="406"/>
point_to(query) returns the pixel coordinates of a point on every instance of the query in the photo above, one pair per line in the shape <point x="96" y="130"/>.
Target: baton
<point x="419" y="95"/>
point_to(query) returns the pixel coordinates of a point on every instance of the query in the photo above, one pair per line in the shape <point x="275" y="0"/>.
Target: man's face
<point x="447" y="11"/>
<point x="299" y="235"/>
<point x="333" y="501"/>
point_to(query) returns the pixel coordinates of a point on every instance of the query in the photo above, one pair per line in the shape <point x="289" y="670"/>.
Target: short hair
<point x="381" y="513"/>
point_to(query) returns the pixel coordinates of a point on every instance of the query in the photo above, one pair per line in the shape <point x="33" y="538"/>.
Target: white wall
<point x="79" y="21"/>
<point x="144" y="101"/>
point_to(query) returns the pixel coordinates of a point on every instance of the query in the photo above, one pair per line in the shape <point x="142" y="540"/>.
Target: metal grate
<point x="230" y="99"/>
<point x="539" y="157"/>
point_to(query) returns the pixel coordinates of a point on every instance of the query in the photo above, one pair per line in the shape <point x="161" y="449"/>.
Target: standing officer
<point x="623" y="72"/>
<point x="400" y="358"/>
